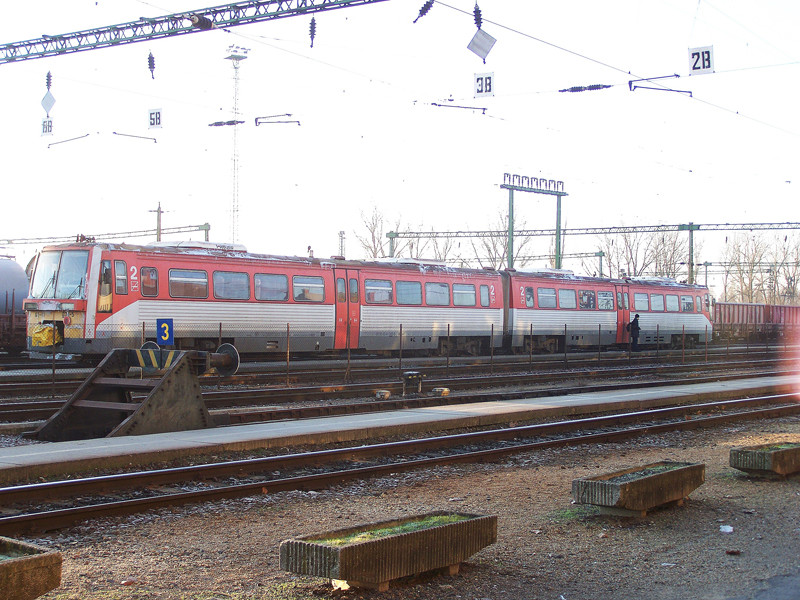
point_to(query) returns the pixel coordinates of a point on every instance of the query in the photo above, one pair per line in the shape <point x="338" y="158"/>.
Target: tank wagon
<point x="13" y="289"/>
<point x="87" y="298"/>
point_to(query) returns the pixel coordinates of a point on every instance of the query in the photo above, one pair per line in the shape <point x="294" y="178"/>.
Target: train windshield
<point x="60" y="274"/>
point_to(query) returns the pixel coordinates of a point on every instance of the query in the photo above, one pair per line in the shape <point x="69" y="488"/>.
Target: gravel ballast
<point x="547" y="548"/>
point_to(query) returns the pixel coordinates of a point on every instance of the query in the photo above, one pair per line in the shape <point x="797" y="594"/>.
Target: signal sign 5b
<point x="154" y="119"/>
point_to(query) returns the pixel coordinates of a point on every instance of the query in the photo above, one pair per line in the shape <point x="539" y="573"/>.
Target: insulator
<point x="48" y="80"/>
<point x="478" y="19"/>
<point x="151" y="64"/>
<point x="312" y="30"/>
<point x="201" y="22"/>
<point x="424" y="10"/>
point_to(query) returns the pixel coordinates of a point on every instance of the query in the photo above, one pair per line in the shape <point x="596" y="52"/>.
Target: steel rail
<point x="36" y="410"/>
<point x="47" y="520"/>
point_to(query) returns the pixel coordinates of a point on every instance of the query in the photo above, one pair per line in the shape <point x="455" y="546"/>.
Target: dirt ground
<point x="547" y="547"/>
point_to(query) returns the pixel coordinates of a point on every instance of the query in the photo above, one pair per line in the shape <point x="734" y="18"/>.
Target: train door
<point x="623" y="313"/>
<point x="348" y="309"/>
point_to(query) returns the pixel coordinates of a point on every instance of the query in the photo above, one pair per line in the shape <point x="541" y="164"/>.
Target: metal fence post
<point x="706" y="343"/>
<point x="287" y="354"/>
<point x="566" y="362"/>
<point x="54" y="358"/>
<point x="683" y="344"/>
<point x="599" y="337"/>
<point x="530" y="351"/>
<point x="658" y="341"/>
<point x="448" y="350"/>
<point x="491" y="350"/>
<point x="400" y="354"/>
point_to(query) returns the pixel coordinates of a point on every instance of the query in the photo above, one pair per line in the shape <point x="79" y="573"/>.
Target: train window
<point x="72" y="274"/>
<point x="484" y="295"/>
<point x="708" y="305"/>
<point x="463" y="294"/>
<point x="687" y="304"/>
<point x="567" y="299"/>
<point x="656" y="302"/>
<point x="354" y="291"/>
<point x="341" y="290"/>
<point x="672" y="303"/>
<point x="409" y="292"/>
<point x="698" y="304"/>
<point x="308" y="289"/>
<point x="640" y="301"/>
<point x="605" y="300"/>
<point x="188" y="284"/>
<point x="271" y="287"/>
<point x="619" y="300"/>
<point x="588" y="300"/>
<point x="378" y="291"/>
<point x="437" y="294"/>
<point x="625" y="298"/>
<point x="529" y="297"/>
<point x="149" y="281"/>
<point x="104" y="288"/>
<point x="546" y="297"/>
<point x="231" y="286"/>
<point x="120" y="277"/>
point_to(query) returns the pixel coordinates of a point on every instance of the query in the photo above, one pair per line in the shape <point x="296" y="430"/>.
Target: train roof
<point x="238" y="251"/>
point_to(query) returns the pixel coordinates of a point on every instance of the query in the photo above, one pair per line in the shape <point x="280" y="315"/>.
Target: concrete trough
<point x="375" y="562"/>
<point x="637" y="490"/>
<point x="779" y="459"/>
<point x="27" y="571"/>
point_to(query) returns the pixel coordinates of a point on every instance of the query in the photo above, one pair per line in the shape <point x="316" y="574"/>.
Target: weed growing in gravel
<point x="575" y="512"/>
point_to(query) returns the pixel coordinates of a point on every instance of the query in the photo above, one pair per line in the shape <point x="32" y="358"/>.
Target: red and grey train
<point x="87" y="298"/>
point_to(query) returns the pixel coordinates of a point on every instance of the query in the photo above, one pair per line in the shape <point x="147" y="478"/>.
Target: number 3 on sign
<point x="165" y="335"/>
<point x="701" y="60"/>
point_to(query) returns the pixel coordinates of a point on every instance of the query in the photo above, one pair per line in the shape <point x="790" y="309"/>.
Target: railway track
<point x="217" y="400"/>
<point x="75" y="500"/>
<point x="66" y="380"/>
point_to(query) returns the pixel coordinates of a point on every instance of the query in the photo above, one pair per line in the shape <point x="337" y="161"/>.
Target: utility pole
<point x="536" y="185"/>
<point x="235" y="55"/>
<point x="691" y="228"/>
<point x="158" y="212"/>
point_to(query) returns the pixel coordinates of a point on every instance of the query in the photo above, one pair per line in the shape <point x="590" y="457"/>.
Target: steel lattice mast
<point x="223" y="16"/>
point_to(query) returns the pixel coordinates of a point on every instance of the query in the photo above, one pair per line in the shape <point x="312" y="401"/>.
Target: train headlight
<point x="67" y="306"/>
<point x="29" y="306"/>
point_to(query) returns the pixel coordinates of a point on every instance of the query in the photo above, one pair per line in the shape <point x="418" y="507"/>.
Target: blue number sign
<point x="165" y="335"/>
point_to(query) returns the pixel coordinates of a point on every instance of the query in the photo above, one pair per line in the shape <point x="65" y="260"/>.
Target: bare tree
<point x="492" y="251"/>
<point x="669" y="250"/>
<point x="743" y="260"/>
<point x="374" y="241"/>
<point x="628" y="254"/>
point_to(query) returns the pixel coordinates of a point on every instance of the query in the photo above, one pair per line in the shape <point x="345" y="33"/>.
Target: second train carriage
<point x="551" y="308"/>
<point x="88" y="298"/>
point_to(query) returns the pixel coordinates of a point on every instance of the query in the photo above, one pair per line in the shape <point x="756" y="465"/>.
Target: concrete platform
<point x="28" y="463"/>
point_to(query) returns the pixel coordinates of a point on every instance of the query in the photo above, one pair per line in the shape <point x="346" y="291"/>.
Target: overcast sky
<point x="371" y="135"/>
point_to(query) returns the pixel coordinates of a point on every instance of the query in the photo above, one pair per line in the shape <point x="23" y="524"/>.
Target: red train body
<point x="88" y="298"/>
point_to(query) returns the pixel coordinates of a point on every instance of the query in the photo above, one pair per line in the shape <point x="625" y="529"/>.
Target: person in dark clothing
<point x="634" y="328"/>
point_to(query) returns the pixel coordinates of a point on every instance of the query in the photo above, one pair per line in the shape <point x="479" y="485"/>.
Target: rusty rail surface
<point x="603" y="429"/>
